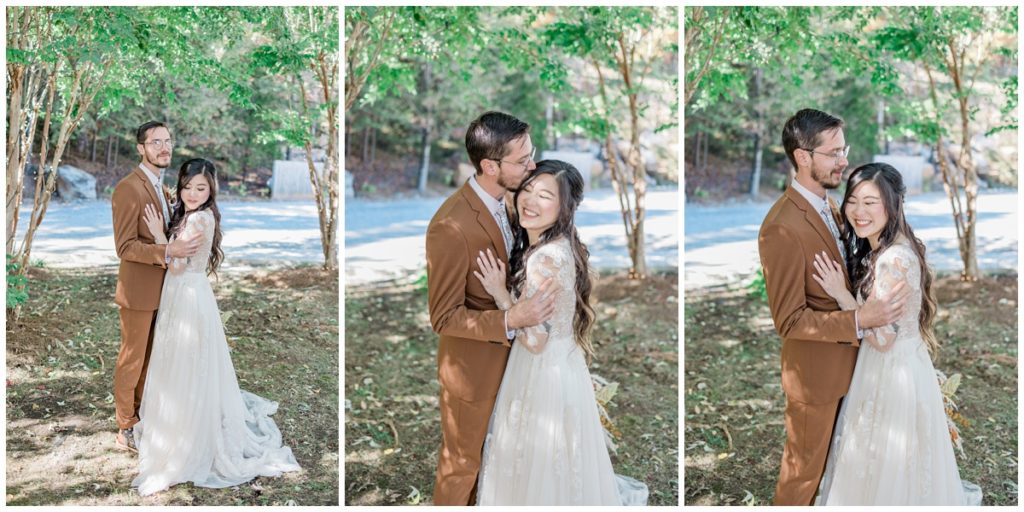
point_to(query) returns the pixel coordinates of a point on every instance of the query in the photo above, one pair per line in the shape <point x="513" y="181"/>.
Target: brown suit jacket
<point x="473" y="347"/>
<point x="819" y="342"/>
<point x="141" y="274"/>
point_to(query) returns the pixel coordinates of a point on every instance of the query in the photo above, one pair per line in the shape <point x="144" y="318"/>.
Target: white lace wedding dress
<point x="891" y="444"/>
<point x="545" y="444"/>
<point x="196" y="424"/>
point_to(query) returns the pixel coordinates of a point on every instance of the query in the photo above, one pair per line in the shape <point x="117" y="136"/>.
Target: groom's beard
<point x="160" y="158"/>
<point x="828" y="178"/>
<point x="507" y="183"/>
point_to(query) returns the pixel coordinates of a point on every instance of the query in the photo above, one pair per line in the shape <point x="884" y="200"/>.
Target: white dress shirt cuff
<point x="509" y="334"/>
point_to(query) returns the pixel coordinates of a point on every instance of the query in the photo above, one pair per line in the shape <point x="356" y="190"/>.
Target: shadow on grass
<point x="734" y="401"/>
<point x="393" y="428"/>
<point x="282" y="327"/>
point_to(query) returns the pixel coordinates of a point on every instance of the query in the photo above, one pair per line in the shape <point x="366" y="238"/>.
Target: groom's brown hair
<point x="489" y="134"/>
<point x="143" y="131"/>
<point x="804" y="129"/>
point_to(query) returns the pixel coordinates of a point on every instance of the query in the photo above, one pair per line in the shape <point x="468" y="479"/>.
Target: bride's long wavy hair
<point x="860" y="259"/>
<point x="190" y="169"/>
<point x="570" y="194"/>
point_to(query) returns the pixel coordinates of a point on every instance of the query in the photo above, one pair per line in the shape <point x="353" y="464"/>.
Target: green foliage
<point x="214" y="74"/>
<point x="17" y="285"/>
<point x="844" y="60"/>
<point x="514" y="59"/>
<point x="421" y="282"/>
<point x="925" y="36"/>
<point x="757" y="288"/>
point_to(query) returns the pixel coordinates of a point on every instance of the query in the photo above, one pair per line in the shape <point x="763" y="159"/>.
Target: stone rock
<point x="75" y="184"/>
<point x="911" y="167"/>
<point x="29" y="190"/>
<point x="583" y="161"/>
<point x="291" y="180"/>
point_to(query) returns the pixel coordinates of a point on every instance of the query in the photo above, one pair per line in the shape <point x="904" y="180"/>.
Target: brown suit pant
<point x="808" y="437"/>
<point x="463" y="429"/>
<point x="132" y="363"/>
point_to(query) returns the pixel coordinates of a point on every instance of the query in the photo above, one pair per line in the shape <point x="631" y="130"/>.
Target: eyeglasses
<point x="834" y="156"/>
<point x="525" y="163"/>
<point x="158" y="144"/>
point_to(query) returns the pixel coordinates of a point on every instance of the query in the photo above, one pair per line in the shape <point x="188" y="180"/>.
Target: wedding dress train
<point x="196" y="424"/>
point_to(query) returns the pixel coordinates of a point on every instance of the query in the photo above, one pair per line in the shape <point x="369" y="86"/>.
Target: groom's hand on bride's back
<point x="183" y="248"/>
<point x="884" y="310"/>
<point x="534" y="310"/>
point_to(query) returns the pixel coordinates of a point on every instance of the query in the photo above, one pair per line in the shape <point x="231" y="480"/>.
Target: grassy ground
<point x="392" y="424"/>
<point x="734" y="401"/>
<point x="283" y="330"/>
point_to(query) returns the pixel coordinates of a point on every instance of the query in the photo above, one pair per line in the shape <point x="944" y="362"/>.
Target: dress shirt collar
<point x="817" y="202"/>
<point x="155" y="180"/>
<point x="492" y="204"/>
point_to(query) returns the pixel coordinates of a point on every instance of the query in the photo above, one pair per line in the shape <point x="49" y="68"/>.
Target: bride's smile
<point x="866" y="212"/>
<point x="539" y="205"/>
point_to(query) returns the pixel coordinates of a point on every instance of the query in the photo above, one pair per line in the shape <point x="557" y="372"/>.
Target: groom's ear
<point x="489" y="167"/>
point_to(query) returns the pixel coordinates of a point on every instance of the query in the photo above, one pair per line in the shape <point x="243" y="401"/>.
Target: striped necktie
<point x="830" y="221"/>
<point x="506" y="229"/>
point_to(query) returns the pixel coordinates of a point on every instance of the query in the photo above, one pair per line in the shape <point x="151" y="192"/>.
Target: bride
<point x="545" y="444"/>
<point x="196" y="424"/>
<point x="891" y="445"/>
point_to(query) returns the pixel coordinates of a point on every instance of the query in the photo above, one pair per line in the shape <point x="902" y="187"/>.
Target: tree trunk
<point x="110" y="147"/>
<point x="421" y="185"/>
<point x="86" y="82"/>
<point x="16" y="153"/>
<point x="755" y="177"/>
<point x="428" y="125"/>
<point x="966" y="163"/>
<point x="704" y="152"/>
<point x="696" y="150"/>
<point x="951" y="183"/>
<point x="619" y="183"/>
<point x="373" y="147"/>
<point x="92" y="144"/>
<point x="636" y="160"/>
<point x="692" y="33"/>
<point x="325" y="70"/>
<point x="348" y="142"/>
<point x="117" y="149"/>
<point x="356" y="42"/>
<point x="366" y="145"/>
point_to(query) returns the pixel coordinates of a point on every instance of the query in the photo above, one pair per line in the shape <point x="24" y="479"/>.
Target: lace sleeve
<point x="199" y="224"/>
<point x="893" y="266"/>
<point x="542" y="265"/>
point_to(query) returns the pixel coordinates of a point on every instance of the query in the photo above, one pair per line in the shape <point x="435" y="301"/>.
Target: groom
<point x="819" y="342"/>
<point x="475" y="336"/>
<point x="140" y="276"/>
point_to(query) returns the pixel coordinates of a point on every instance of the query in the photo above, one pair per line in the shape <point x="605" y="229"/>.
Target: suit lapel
<point x="486" y="219"/>
<point x="148" y="185"/>
<point x="839" y="224"/>
<point x="818" y="224"/>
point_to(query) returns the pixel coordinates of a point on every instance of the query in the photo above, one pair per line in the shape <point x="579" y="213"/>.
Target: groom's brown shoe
<point x="125" y="440"/>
